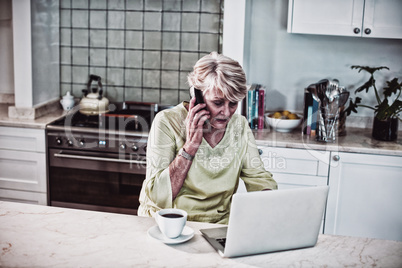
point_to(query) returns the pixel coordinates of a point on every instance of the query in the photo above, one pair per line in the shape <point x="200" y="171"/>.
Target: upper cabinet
<point x="358" y="18"/>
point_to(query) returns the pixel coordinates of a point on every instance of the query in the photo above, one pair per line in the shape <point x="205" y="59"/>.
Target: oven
<point x="98" y="162"/>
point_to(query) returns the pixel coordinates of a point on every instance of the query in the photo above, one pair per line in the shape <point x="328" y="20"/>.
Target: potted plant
<point x="386" y="111"/>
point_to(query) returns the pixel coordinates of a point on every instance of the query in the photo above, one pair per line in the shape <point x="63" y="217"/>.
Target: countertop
<point x="357" y="140"/>
<point x="41" y="236"/>
<point x="40" y="122"/>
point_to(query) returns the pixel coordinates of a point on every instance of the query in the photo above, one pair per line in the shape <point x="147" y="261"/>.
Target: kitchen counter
<point x="38" y="236"/>
<point x="357" y="140"/>
<point x="40" y="122"/>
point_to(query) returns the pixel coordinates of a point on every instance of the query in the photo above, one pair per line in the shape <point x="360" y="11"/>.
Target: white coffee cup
<point x="171" y="221"/>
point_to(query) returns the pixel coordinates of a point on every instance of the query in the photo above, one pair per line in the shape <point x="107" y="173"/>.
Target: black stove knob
<point x="82" y="143"/>
<point x="70" y="143"/>
<point x="59" y="141"/>
<point x="122" y="146"/>
<point x="134" y="148"/>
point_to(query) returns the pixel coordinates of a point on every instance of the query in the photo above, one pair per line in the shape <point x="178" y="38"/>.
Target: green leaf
<point x="395" y="108"/>
<point x="383" y="110"/>
<point x="352" y="106"/>
<point x="366" y="86"/>
<point x="392" y="88"/>
<point x="368" y="69"/>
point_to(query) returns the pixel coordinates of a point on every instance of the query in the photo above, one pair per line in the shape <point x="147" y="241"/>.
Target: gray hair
<point x="216" y="71"/>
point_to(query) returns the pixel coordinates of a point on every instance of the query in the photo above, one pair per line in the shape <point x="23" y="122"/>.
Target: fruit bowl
<point x="283" y="121"/>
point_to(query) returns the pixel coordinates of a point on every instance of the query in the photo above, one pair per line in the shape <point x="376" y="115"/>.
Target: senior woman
<point x="197" y="153"/>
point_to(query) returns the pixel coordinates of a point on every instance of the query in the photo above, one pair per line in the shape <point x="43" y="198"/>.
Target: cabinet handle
<point x="367" y="31"/>
<point x="356" y="30"/>
<point x="336" y="157"/>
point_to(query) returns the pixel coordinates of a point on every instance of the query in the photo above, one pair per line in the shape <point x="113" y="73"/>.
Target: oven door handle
<point x="94" y="158"/>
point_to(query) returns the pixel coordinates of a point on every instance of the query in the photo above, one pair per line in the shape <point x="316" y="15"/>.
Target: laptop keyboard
<point x="221" y="241"/>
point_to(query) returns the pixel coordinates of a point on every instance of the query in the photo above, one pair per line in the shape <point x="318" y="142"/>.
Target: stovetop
<point x="128" y="121"/>
<point x="123" y="131"/>
<point x="134" y="119"/>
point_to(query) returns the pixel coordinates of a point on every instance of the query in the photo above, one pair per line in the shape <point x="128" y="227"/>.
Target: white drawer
<point x="23" y="170"/>
<point x="22" y="139"/>
<point x="23" y="197"/>
<point x="295" y="161"/>
<point x="290" y="181"/>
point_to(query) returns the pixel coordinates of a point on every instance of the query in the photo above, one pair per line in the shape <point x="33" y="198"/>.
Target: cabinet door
<point x="326" y="17"/>
<point x="382" y="19"/>
<point x="365" y="196"/>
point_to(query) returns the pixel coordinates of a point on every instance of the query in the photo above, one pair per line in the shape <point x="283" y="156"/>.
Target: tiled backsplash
<point x="142" y="49"/>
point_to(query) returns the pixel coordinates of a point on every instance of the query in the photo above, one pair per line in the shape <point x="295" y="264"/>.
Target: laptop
<point x="269" y="221"/>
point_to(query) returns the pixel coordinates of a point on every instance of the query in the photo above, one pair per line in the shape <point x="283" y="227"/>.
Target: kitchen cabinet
<point x="365" y="196"/>
<point x="23" y="165"/>
<point x="364" y="177"/>
<point x="358" y="18"/>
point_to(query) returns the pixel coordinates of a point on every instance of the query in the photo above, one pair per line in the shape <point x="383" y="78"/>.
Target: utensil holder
<point x="327" y="127"/>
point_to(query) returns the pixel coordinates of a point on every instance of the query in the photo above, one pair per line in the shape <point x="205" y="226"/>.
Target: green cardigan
<point x="214" y="174"/>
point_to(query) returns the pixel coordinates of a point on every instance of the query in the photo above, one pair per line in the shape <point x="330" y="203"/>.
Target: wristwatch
<point x="186" y="155"/>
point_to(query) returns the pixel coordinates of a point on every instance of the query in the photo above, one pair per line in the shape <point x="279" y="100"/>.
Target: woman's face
<point x="221" y="110"/>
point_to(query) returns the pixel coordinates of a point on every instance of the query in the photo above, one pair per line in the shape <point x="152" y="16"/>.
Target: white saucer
<point x="186" y="235"/>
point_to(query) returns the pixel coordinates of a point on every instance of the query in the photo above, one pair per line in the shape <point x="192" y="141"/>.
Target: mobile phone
<point x="198" y="96"/>
<point x="199" y="99"/>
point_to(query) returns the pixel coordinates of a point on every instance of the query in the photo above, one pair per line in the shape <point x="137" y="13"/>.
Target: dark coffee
<point x="172" y="215"/>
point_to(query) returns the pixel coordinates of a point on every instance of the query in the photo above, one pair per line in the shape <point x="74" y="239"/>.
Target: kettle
<point x="67" y="102"/>
<point x="93" y="103"/>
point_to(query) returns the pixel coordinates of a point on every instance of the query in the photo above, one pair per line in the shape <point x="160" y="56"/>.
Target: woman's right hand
<point x="196" y="117"/>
